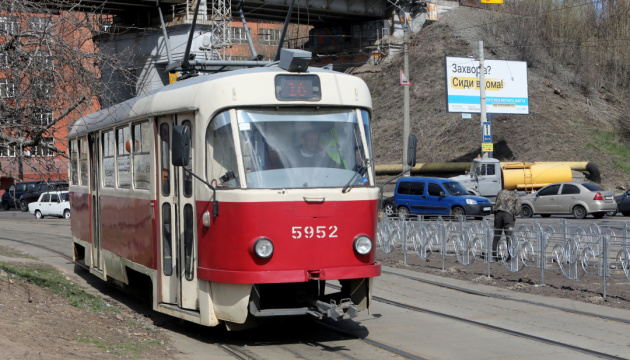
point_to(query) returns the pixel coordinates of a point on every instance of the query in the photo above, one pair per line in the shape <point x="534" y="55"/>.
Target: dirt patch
<point x="564" y="123"/>
<point x="589" y="289"/>
<point x="39" y="324"/>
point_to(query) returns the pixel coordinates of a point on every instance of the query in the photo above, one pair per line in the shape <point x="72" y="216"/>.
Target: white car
<point x="52" y="203"/>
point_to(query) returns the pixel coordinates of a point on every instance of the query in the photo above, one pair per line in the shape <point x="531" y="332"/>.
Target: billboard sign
<point x="506" y="86"/>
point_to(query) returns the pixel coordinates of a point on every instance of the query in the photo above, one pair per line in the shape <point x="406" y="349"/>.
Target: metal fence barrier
<point x="574" y="247"/>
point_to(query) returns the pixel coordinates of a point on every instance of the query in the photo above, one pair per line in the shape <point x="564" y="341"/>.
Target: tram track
<point x="229" y="349"/>
<point x="238" y="354"/>
<point x="372" y="342"/>
<point x="501" y="330"/>
<point x="506" y="298"/>
<point x="493" y="327"/>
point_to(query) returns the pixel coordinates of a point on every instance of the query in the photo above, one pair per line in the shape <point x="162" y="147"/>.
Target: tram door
<point x="177" y="218"/>
<point x="94" y="145"/>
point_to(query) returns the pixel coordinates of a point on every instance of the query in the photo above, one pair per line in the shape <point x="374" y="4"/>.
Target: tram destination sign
<point x="506" y="86"/>
<point x="298" y="88"/>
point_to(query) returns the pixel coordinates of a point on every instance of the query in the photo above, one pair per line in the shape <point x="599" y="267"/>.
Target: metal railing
<point x="573" y="247"/>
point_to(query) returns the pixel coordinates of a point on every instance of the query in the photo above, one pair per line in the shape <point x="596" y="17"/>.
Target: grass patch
<point x="48" y="277"/>
<point x="612" y="144"/>
<point x="8" y="252"/>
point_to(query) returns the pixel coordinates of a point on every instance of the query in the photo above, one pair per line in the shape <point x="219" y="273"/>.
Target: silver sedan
<point x="578" y="199"/>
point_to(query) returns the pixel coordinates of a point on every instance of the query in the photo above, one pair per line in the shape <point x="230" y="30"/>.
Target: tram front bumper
<point x="344" y="310"/>
<point x="263" y="276"/>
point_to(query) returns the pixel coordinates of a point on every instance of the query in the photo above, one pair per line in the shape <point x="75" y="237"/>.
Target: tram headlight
<point x="263" y="248"/>
<point x="362" y="245"/>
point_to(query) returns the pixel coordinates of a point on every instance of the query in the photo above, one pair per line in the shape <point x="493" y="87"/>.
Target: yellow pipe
<point x="424" y="168"/>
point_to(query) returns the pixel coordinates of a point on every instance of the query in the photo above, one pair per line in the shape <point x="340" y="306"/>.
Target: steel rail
<point x="370" y="341"/>
<point x="234" y="352"/>
<point x="500" y="329"/>
<point x="501" y="297"/>
<point x="491" y="327"/>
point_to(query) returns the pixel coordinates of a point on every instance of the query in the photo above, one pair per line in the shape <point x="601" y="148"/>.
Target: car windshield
<point x="64" y="196"/>
<point x="455" y="188"/>
<point x="291" y="148"/>
<point x="592" y="187"/>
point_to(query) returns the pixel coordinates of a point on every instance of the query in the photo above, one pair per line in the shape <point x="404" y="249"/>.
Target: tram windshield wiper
<point x="360" y="171"/>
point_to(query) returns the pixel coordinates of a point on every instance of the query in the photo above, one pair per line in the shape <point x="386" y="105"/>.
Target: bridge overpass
<point x="317" y="12"/>
<point x="343" y="33"/>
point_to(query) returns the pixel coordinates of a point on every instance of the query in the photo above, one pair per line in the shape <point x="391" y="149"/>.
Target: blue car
<point x="437" y="196"/>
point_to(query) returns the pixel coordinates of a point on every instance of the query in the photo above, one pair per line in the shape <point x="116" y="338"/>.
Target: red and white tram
<point x="276" y="196"/>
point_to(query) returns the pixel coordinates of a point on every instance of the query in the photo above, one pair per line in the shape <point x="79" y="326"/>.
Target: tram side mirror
<point x="411" y="150"/>
<point x="180" y="148"/>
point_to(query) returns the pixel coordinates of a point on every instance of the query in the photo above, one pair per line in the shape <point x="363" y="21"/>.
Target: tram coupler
<point x="344" y="310"/>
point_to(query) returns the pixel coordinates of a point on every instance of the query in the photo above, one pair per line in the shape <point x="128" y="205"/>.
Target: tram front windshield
<point x="302" y="148"/>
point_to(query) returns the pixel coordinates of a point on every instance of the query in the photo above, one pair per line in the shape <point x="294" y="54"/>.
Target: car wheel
<point x="625" y="213"/>
<point x="66" y="214"/>
<point x="389" y="209"/>
<point x="579" y="212"/>
<point x="403" y="211"/>
<point x="5" y="205"/>
<point x="458" y="211"/>
<point x="526" y="211"/>
<point x="38" y="215"/>
<point x="23" y="206"/>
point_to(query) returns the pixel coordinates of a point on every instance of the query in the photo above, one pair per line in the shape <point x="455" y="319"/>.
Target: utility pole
<point x="482" y="95"/>
<point x="406" y="125"/>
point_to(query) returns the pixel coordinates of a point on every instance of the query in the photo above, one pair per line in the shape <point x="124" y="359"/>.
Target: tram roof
<point x="187" y="95"/>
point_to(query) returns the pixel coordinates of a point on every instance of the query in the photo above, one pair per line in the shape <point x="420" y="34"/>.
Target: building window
<point x="7" y="88"/>
<point x="270" y="36"/>
<point x="44" y="119"/>
<point x="238" y="35"/>
<point x="4" y="60"/>
<point x="39" y="23"/>
<point x="9" y="25"/>
<point x="42" y="88"/>
<point x="42" y="150"/>
<point x="43" y="60"/>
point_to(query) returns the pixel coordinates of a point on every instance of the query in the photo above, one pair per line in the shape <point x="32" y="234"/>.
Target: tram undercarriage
<point x="311" y="298"/>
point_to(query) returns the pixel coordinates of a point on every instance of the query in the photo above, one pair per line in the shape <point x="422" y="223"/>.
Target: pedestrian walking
<point x="506" y="208"/>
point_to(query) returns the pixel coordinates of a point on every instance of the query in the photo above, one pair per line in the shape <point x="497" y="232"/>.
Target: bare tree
<point x="49" y="76"/>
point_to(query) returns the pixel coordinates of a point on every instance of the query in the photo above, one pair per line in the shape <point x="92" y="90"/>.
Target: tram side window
<point x="74" y="156"/>
<point x="83" y="160"/>
<point x="187" y="176"/>
<point x="123" y="160"/>
<point x="109" y="158"/>
<point x="220" y="146"/>
<point x="164" y="160"/>
<point x="167" y="246"/>
<point x="141" y="156"/>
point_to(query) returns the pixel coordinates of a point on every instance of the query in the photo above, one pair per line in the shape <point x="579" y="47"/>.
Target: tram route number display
<point x="309" y="232"/>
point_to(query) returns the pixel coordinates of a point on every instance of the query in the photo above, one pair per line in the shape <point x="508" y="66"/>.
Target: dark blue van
<point x="437" y="196"/>
<point x="11" y="197"/>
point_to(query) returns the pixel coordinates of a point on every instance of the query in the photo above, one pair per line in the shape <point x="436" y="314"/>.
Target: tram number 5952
<point x="319" y="232"/>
